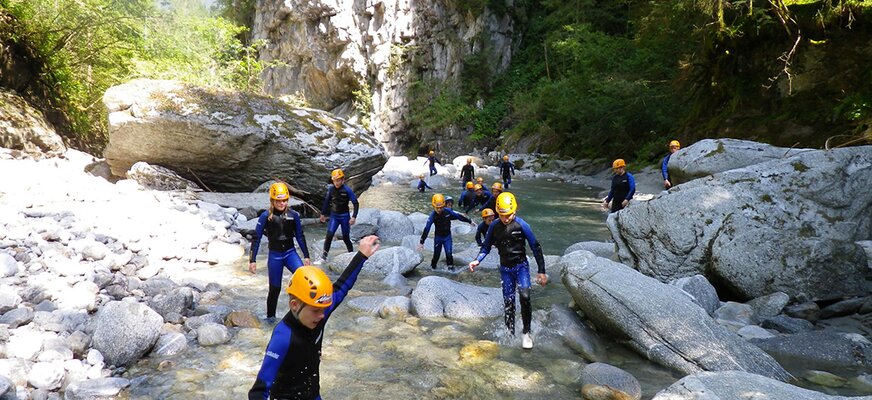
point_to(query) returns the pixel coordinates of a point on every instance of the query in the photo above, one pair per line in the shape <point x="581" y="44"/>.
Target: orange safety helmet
<point x="506" y="204"/>
<point x="279" y="191"/>
<point x="619" y="163"/>
<point x="431" y="152"/>
<point x="497" y="186"/>
<point x="479" y="180"/>
<point x="487" y="212"/>
<point x="337" y="174"/>
<point x="675" y="143"/>
<point x="506" y="157"/>
<point x="311" y="286"/>
<point x="477" y="187"/>
<point x="438" y="201"/>
<point x="469" y="185"/>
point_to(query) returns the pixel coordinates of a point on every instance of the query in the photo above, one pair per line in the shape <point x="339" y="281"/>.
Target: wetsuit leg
<point x="449" y="256"/>
<point x="292" y="260"/>
<point x="507" y="181"/>
<point x="437" y="250"/>
<point x="274" y="266"/>
<point x="346" y="234"/>
<point x="617" y="205"/>
<point x="524" y="293"/>
<point x="509" y="279"/>
<point x="432" y="169"/>
<point x="331" y="230"/>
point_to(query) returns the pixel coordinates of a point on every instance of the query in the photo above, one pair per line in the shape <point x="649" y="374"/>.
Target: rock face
<point x="781" y="226"/>
<point x="332" y="49"/>
<point x="658" y="320"/>
<point x="710" y="156"/>
<point x="739" y="385"/>
<point x="234" y="142"/>
<point x="23" y="127"/>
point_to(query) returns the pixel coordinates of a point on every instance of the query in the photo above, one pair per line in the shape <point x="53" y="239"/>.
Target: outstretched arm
<point x="345" y="282"/>
<point x="301" y="237"/>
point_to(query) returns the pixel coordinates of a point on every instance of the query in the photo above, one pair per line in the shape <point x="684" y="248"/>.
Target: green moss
<point x="708" y="222"/>
<point x="807" y="231"/>
<point x="720" y="149"/>
<point x="767" y="198"/>
<point x="799" y="166"/>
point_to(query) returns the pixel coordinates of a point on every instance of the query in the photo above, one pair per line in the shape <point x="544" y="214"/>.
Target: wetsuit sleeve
<point x="427" y="227"/>
<point x="326" y="206"/>
<point x="512" y="168"/>
<point x="632" y="182"/>
<point x="611" y="192"/>
<point x="301" y="237"/>
<point x="276" y="350"/>
<point x="663" y="167"/>
<point x="478" y="235"/>
<point x="458" y="216"/>
<point x="534" y="245"/>
<point x="354" y="201"/>
<point x="437" y="161"/>
<point x="346" y="281"/>
<point x="258" y="234"/>
<point x="486" y="246"/>
<point x="426" y="185"/>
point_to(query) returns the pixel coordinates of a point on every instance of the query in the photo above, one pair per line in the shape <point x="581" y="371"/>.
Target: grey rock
<point x="210" y="334"/>
<point x="769" y="305"/>
<point x="785" y="324"/>
<point x="411" y="242"/>
<point x="124" y="331"/>
<point x="193" y="323"/>
<point x="17" y="317"/>
<point x="808" y="311"/>
<point x="435" y="296"/>
<point x="25" y="128"/>
<point x="735" y="315"/>
<point x="368" y="304"/>
<point x="78" y="342"/>
<point x="156" y="286"/>
<point x="754" y="332"/>
<point x="232" y="140"/>
<point x="600" y="249"/>
<point x="701" y="291"/>
<point x="573" y="331"/>
<point x="843" y="308"/>
<point x="46" y="375"/>
<point x="170" y="344"/>
<point x="393" y="226"/>
<point x="96" y="389"/>
<point x="384" y="262"/>
<point x="177" y="301"/>
<point x="9" y="298"/>
<point x="156" y="177"/>
<point x="820" y="348"/>
<point x="710" y="156"/>
<point x="395" y="307"/>
<point x="5" y="385"/>
<point x="15" y="369"/>
<point x="732" y="385"/>
<point x="8" y="265"/>
<point x="787" y="225"/>
<point x="657" y="320"/>
<point x="95" y="251"/>
<point x="604" y="381"/>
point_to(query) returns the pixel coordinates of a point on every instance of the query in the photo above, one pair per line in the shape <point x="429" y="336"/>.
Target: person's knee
<point x="524" y="294"/>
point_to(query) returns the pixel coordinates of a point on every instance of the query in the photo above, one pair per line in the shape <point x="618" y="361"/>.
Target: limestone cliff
<point x="332" y="49"/>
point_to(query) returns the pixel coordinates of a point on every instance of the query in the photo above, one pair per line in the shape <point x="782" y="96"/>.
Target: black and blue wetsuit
<point x="467" y="200"/>
<point x="663" y="168"/>
<point x="433" y="161"/>
<point x="467" y="174"/>
<point x="442" y="235"/>
<point x="481" y="232"/>
<point x="480" y="201"/>
<point x="507" y="169"/>
<point x="490" y="203"/>
<point x="336" y="203"/>
<point x="280" y="229"/>
<point x="423" y="185"/>
<point x="623" y="188"/>
<point x="514" y="267"/>
<point x="291" y="366"/>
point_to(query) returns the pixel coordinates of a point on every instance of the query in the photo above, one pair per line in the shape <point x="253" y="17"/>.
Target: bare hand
<point x="542" y="279"/>
<point x="368" y="245"/>
<point x="605" y="204"/>
<point x="323" y="219"/>
<point x="352" y="221"/>
<point x="252" y="267"/>
<point x="472" y="266"/>
<point x="667" y="183"/>
<point x="307" y="261"/>
<point x="624" y="203"/>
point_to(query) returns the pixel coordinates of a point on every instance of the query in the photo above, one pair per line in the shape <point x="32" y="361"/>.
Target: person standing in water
<point x="491" y="203"/>
<point x="507" y="169"/>
<point x="441" y="217"/>
<point x="509" y="236"/>
<point x="336" y="205"/>
<point x="431" y="158"/>
<point x="623" y="187"/>
<point x="422" y="184"/>
<point x="467" y="173"/>
<point x="467" y="197"/>
<point x="487" y="217"/>
<point x="674" y="146"/>
<point x="291" y="365"/>
<point x="281" y="225"/>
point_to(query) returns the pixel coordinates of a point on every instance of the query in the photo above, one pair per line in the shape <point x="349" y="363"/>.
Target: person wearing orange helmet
<point x="291" y="365"/>
<point x="674" y="146"/>
<point x="431" y="158"/>
<point x="509" y="236"/>
<point x="623" y="187"/>
<point x="491" y="203"/>
<point x="467" y="197"/>
<point x="467" y="173"/>
<point x="336" y="204"/>
<point x="441" y="216"/>
<point x="422" y="184"/>
<point x="482" y="196"/>
<point x="487" y="217"/>
<point x="281" y="225"/>
<point x="507" y="169"/>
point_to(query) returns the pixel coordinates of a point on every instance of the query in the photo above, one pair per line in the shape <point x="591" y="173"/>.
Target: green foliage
<point x="436" y="106"/>
<point x="363" y="103"/>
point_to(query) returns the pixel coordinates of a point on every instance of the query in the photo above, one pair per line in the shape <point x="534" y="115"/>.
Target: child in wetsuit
<point x="336" y="204"/>
<point x="441" y="217"/>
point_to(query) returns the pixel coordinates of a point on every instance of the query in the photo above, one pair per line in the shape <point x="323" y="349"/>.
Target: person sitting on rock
<point x="291" y="366"/>
<point x="281" y="225"/>
<point x="491" y="203"/>
<point x="336" y="203"/>
<point x="467" y="173"/>
<point x="623" y="187"/>
<point x="487" y="217"/>
<point x="431" y="158"/>
<point x="441" y="216"/>
<point x="674" y="146"/>
<point x="467" y="197"/>
<point x="507" y="169"/>
<point x="422" y="184"/>
<point x="509" y="236"/>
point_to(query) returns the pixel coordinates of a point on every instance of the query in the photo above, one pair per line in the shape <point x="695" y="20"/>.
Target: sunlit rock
<point x="124" y="331"/>
<point x="738" y="385"/>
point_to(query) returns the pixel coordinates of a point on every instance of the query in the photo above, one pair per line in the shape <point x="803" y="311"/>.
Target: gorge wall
<point x="361" y="58"/>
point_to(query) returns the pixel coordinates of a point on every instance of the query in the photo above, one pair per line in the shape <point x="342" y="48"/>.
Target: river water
<point x="366" y="357"/>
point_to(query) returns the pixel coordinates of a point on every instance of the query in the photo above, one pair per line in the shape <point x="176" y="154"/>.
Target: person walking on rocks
<point x="507" y="169"/>
<point x="422" y="184"/>
<point x="674" y="146"/>
<point x="441" y="216"/>
<point x="623" y="187"/>
<point x="291" y="366"/>
<point x="281" y="225"/>
<point x="509" y="236"/>
<point x="487" y="217"/>
<point x="467" y="173"/>
<point x="491" y="203"/>
<point x="431" y="158"/>
<point x="336" y="204"/>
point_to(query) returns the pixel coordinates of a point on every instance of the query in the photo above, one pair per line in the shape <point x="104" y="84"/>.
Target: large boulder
<point x="782" y="226"/>
<point x="823" y="349"/>
<point x="738" y="385"/>
<point x="710" y="156"/>
<point x="232" y="141"/>
<point x="124" y="331"/>
<point x="23" y="127"/>
<point x="657" y="320"/>
<point x="394" y="225"/>
<point x="436" y="296"/>
<point x="384" y="262"/>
